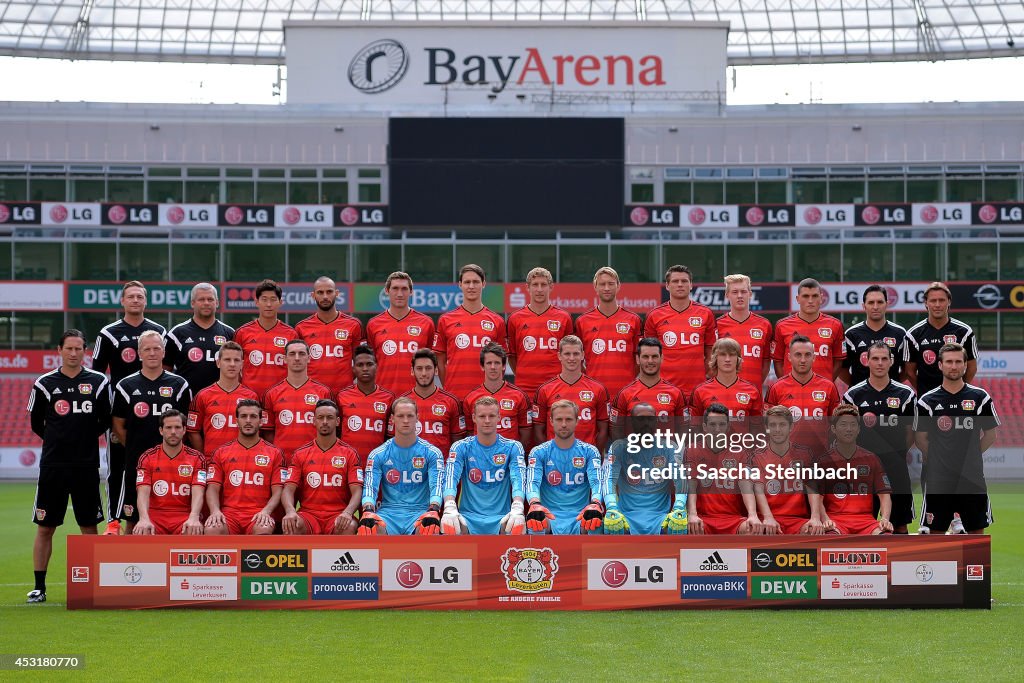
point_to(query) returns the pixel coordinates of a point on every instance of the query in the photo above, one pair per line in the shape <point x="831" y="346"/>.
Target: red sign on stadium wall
<point x="33" y="362"/>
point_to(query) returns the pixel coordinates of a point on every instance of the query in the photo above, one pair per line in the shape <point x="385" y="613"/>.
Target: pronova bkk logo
<point x="379" y="66"/>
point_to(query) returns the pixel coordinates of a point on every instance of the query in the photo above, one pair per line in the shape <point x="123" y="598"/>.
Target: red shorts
<point x="240" y="521"/>
<point x="319" y="524"/>
<point x="168" y="523"/>
<point x="791" y="525"/>
<point x="858" y="525"/>
<point x="722" y="524"/>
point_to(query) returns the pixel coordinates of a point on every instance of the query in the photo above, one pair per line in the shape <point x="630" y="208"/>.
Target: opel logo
<point x="378" y="67"/>
<point x="988" y="296"/>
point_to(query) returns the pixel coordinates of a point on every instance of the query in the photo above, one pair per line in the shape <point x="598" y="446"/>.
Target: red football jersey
<point x="668" y="401"/>
<point x="785" y="495"/>
<point x="742" y="398"/>
<point x="460" y="336"/>
<point x="323" y="477"/>
<point x="811" y="405"/>
<point x="754" y="336"/>
<point x="212" y="414"/>
<point x="716" y="495"/>
<point x="826" y="333"/>
<point x="587" y="393"/>
<point x="171" y="479"/>
<point x="263" y="354"/>
<point x="609" y="346"/>
<point x="246" y="475"/>
<point x="290" y="413"/>
<point x="533" y="345"/>
<point x="685" y="335"/>
<point x="364" y="417"/>
<point x="514" y="408"/>
<point x="844" y="495"/>
<point x="394" y="342"/>
<point x="330" y="348"/>
<point x="439" y="419"/>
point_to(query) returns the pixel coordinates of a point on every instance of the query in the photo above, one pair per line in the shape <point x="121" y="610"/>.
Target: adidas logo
<point x="57" y="391"/>
<point x="861" y="345"/>
<point x="189" y="340"/>
<point x="714" y="563"/>
<point x="124" y="337"/>
<point x="136" y="393"/>
<point x="864" y="404"/>
<point x="345" y="563"/>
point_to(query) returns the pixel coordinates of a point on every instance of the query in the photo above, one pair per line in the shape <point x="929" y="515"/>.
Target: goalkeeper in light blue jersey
<point x="491" y="470"/>
<point x="563" y="479"/>
<point x="636" y="502"/>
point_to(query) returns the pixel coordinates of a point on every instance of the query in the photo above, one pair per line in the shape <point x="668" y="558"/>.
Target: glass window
<point x="1012" y="332"/>
<point x="490" y="257"/>
<point x="929" y="190"/>
<point x="205" y="172"/>
<point x="307" y="262"/>
<point x="678" y="193"/>
<point x="369" y="194"/>
<point x="238" y="172"/>
<point x="1000" y="189"/>
<point x="335" y="173"/>
<point x="369" y="173"/>
<point x="303" y="193"/>
<point x="771" y="192"/>
<point x="885" y="191"/>
<point x="271" y="193"/>
<point x="1011" y="261"/>
<point x="708" y="193"/>
<point x="146" y="261"/>
<point x="303" y="173"/>
<point x="91" y="190"/>
<point x="706" y="262"/>
<point x="195" y="262"/>
<point x="13" y="189"/>
<point x="165" y="171"/>
<point x="867" y="262"/>
<point x="963" y="190"/>
<point x="810" y="191"/>
<point x="251" y="263"/>
<point x="126" y="190"/>
<point x="374" y="262"/>
<point x="634" y="262"/>
<point x="202" y="192"/>
<point x="239" y="192"/>
<point x="6" y="272"/>
<point x="740" y="193"/>
<point x="166" y="191"/>
<point x="93" y="261"/>
<point x="972" y="261"/>
<point x="985" y="328"/>
<point x="641" y="192"/>
<point x="47" y="190"/>
<point x="334" y="193"/>
<point x="38" y="260"/>
<point x="815" y="260"/>
<point x="846" y="191"/>
<point x="523" y="257"/>
<point x="577" y="263"/>
<point x="919" y="261"/>
<point x="430" y="262"/>
<point x="38" y="330"/>
<point x="271" y="173"/>
<point x="762" y="262"/>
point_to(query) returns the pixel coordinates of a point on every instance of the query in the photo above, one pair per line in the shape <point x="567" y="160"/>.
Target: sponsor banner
<point x="924" y="573"/>
<point x="245" y="215"/>
<point x="882" y="215"/>
<point x="767" y="215"/>
<point x="939" y="215"/>
<point x="70" y="213"/>
<point x="345" y="561"/>
<point x="425" y="298"/>
<point x="579" y="297"/>
<point x="360" y="216"/>
<point x="908" y="297"/>
<point x="31" y="296"/>
<point x="854" y="587"/>
<point x="713" y="561"/>
<point x="636" y="575"/>
<point x="303" y="216"/>
<point x="824" y="215"/>
<point x="427" y="575"/>
<point x="1000" y="363"/>
<point x="204" y="588"/>
<point x="33" y="361"/>
<point x="997" y="213"/>
<point x="129" y="214"/>
<point x="784" y="587"/>
<point x="345" y="588"/>
<point x="854" y="560"/>
<point x="204" y="561"/>
<point x="140" y="574"/>
<point x="20" y="213"/>
<point x="988" y="296"/>
<point x="652" y="216"/>
<point x="713" y="587"/>
<point x="20" y="462"/>
<point x="237" y="297"/>
<point x="764" y="298"/>
<point x="102" y="296"/>
<point x="708" y="216"/>
<point x="188" y="215"/>
<point x="275" y="561"/>
<point x="266" y="588"/>
<point x="783" y="560"/>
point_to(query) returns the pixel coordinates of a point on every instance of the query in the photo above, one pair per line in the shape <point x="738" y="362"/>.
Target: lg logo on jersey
<point x="63" y="407"/>
<point x="400" y="477"/>
<point x="259" y="358"/>
<point x="599" y="346"/>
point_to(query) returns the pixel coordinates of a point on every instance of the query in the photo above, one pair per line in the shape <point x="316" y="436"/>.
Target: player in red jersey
<point x="263" y="341"/>
<point x="824" y="332"/>
<point x="779" y="490"/>
<point x="515" y="408"/>
<point x="461" y="334"/>
<point x="741" y="398"/>
<point x="719" y="504"/>
<point x="610" y="335"/>
<point x="439" y="419"/>
<point x="668" y="400"/>
<point x="331" y="336"/>
<point x="290" y="402"/>
<point x="753" y="332"/>
<point x="809" y="397"/>
<point x="211" y="417"/>
<point x="843" y="498"/>
<point x="171" y="483"/>
<point x="397" y="333"/>
<point x="533" y="335"/>
<point x="325" y="479"/>
<point x="244" y="479"/>
<point x="685" y="328"/>
<point x="365" y="407"/>
<point x="571" y="384"/>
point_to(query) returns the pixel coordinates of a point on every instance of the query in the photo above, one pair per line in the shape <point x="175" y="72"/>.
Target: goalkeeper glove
<point x="615" y="522"/>
<point x="675" y="522"/>
<point x="429" y="523"/>
<point x="538" y="519"/>
<point x="590" y="517"/>
<point x="514" y="523"/>
<point x="452" y="523"/>
<point x="370" y="524"/>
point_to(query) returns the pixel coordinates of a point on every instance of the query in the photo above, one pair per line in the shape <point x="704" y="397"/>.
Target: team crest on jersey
<point x="586" y="396"/>
<point x="220" y="340"/>
<point x="949" y="339"/>
<point x="380" y="407"/>
<point x="184" y="470"/>
<point x="487" y="325"/>
<point x="413" y="330"/>
<point x="438" y="409"/>
<point x="889" y="341"/>
<point x="554" y="325"/>
<point x="311" y="399"/>
<point x="507" y="404"/>
<point x="818" y="396"/>
<point x="695" y="321"/>
<point x="729" y="463"/>
<point x="280" y="342"/>
<point x="419" y="463"/>
<point x="863" y="471"/>
<point x="338" y="461"/>
<point x="967" y="404"/>
<point x="658" y="461"/>
<point x="262" y="460"/>
<point x="166" y="392"/>
<point x="579" y="463"/>
<point x="85" y="388"/>
<point x="743" y="399"/>
<point x="499" y="459"/>
<point x="664" y="399"/>
<point x="757" y="334"/>
<point x="892" y="402"/>
<point x="622" y="328"/>
<point x="825" y="332"/>
<point x="40" y="514"/>
<point x="341" y="335"/>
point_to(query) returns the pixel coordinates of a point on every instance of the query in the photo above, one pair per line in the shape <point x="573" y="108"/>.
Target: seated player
<point x="781" y="500"/>
<point x="719" y="505"/>
<point x="406" y="473"/>
<point x="490" y="470"/>
<point x="325" y="479"/>
<point x="845" y="504"/>
<point x="243" y="486"/>
<point x="563" y="480"/>
<point x="171" y="483"/>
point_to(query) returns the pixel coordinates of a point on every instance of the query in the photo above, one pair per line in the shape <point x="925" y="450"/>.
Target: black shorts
<point x="902" y="508"/>
<point x="56" y="484"/>
<point x="938" y="508"/>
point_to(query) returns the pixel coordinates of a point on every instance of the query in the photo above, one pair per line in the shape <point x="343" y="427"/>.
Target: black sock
<point x="41" y="581"/>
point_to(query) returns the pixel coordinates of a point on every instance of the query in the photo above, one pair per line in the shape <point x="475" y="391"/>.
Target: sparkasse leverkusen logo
<point x="529" y="570"/>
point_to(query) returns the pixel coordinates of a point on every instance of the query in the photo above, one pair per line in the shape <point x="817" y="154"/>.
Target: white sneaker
<point x="957" y="527"/>
<point x="923" y="530"/>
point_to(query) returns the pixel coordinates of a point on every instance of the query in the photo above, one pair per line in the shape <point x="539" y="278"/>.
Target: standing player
<point x="397" y="333"/>
<point x="490" y="471"/>
<point x="243" y="486"/>
<point x="751" y="331"/>
<point x="888" y="410"/>
<point x="874" y="328"/>
<point x="461" y="334"/>
<point x="563" y="479"/>
<point x="171" y="483"/>
<point x="407" y="473"/>
<point x="823" y="331"/>
<point x="193" y="345"/>
<point x="781" y="500"/>
<point x="440" y="421"/>
<point x="365" y="406"/>
<point x="741" y="398"/>
<point x="139" y="400"/>
<point x="515" y="407"/>
<point x="263" y="341"/>
<point x="650" y="388"/>
<point x="809" y="397"/>
<point x="325" y="479"/>
<point x="685" y="328"/>
<point x="587" y="395"/>
<point x="331" y="336"/>
<point x="211" y="417"/>
<point x="957" y="423"/>
<point x="928" y="336"/>
<point x="290" y="403"/>
<point x="69" y="424"/>
<point x="534" y="332"/>
<point x="610" y="335"/>
<point x="117" y="351"/>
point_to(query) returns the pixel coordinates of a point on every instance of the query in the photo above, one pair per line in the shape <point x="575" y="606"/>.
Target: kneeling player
<point x="406" y="472"/>
<point x="845" y="503"/>
<point x="325" y="479"/>
<point x="171" y="483"/>
<point x="250" y="471"/>
<point x="780" y="498"/>
<point x="717" y="504"/>
<point x="563" y="479"/>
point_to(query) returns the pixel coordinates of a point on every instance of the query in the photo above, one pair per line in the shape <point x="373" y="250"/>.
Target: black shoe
<point x="37" y="596"/>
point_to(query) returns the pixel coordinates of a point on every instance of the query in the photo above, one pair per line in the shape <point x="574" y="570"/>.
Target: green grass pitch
<point x="925" y="645"/>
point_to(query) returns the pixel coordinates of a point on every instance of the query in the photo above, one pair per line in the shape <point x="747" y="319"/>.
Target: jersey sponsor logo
<point x="756" y="334"/>
<point x="285" y="417"/>
<point x="554" y="477"/>
<point x="928" y="357"/>
<point x="713" y="560"/>
<point x="475" y="475"/>
<point x="165" y="392"/>
<point x="339" y="461"/>
<point x="427" y="575"/>
<point x="160" y="488"/>
<point x="316" y="351"/>
<point x="825" y="332"/>
<point x="255" y="357"/>
<point x="262" y="460"/>
<point x="462" y="341"/>
<point x="487" y="325"/>
<point x="62" y="407"/>
<point x="664" y="398"/>
<point x="355" y="423"/>
<point x="529" y="570"/>
<point x="217" y="421"/>
<point x="529" y="343"/>
<point x="869" y="420"/>
<point x="85" y="388"/>
<point x="313" y="480"/>
<point x="128" y="355"/>
<point x="669" y="338"/>
<point x="141" y="409"/>
<point x="949" y="339"/>
<point x="967" y="404"/>
<point x="579" y="462"/>
<point x="280" y="342"/>
<point x="586" y="396"/>
<point x="818" y="396"/>
<point x="695" y="321"/>
<point x="598" y="346"/>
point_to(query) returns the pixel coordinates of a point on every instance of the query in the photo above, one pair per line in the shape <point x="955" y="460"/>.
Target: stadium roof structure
<point x="762" y="31"/>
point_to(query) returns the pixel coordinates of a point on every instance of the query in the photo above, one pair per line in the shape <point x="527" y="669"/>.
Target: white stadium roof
<point x="762" y="31"/>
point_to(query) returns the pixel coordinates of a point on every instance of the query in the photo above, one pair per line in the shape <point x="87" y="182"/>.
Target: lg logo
<point x="378" y="67"/>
